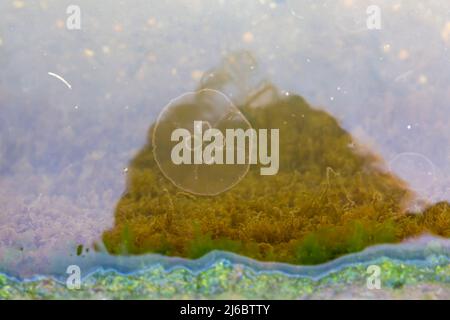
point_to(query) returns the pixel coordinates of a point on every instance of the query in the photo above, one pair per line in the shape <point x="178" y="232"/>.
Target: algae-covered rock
<point x="330" y="196"/>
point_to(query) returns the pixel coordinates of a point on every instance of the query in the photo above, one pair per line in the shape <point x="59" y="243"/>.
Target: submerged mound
<point x="330" y="197"/>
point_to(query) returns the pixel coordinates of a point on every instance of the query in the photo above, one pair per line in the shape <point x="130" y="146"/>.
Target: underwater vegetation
<point x="409" y="271"/>
<point x="226" y="281"/>
<point x="331" y="196"/>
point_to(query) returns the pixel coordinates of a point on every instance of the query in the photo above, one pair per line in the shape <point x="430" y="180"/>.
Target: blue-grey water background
<point x="63" y="152"/>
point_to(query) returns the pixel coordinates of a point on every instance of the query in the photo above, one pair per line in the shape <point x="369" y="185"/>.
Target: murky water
<point x="64" y="149"/>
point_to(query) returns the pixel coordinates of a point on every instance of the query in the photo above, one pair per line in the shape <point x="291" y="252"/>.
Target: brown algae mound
<point x="329" y="198"/>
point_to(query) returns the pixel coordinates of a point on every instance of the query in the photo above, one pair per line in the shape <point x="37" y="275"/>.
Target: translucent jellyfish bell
<point x="198" y="112"/>
<point x="416" y="168"/>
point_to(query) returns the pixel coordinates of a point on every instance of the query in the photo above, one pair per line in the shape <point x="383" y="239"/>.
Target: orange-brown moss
<point x="327" y="200"/>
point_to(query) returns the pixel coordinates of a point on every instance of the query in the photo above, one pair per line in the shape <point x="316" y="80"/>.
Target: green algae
<point x="225" y="280"/>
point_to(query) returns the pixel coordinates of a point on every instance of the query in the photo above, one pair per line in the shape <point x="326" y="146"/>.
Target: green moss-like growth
<point x="329" y="198"/>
